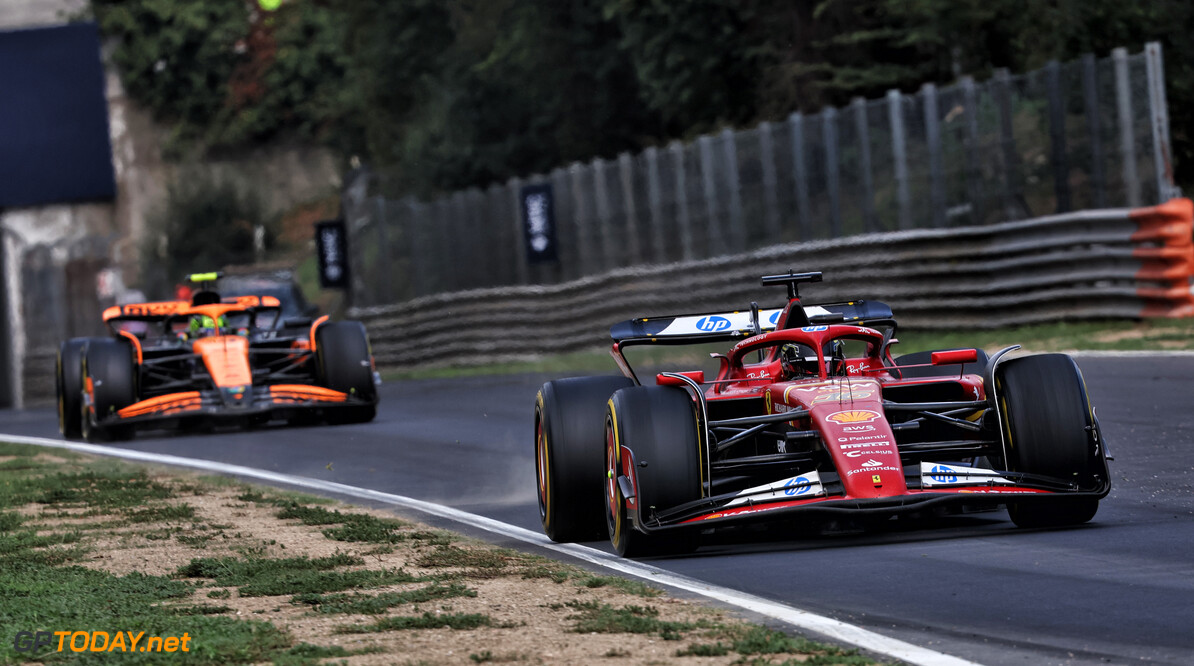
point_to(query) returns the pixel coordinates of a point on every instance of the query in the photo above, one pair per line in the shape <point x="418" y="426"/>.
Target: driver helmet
<point x="792" y="361"/>
<point x="203" y="326"/>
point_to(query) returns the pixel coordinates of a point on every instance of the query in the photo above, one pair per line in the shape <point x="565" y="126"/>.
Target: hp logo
<point x="797" y="486"/>
<point x="943" y="474"/>
<point x="774" y="318"/>
<point x="712" y="324"/>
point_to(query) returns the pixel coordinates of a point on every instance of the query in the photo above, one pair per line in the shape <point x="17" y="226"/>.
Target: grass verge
<point x="262" y="576"/>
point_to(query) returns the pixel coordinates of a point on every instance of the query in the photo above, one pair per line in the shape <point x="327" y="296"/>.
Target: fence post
<point x="655" y="203"/>
<point x="604" y="215"/>
<point x="737" y="231"/>
<point x="715" y="240"/>
<point x="465" y="261"/>
<point x="582" y="222"/>
<point x="800" y="175"/>
<point x="1007" y="140"/>
<point x="974" y="175"/>
<point x="633" y="242"/>
<point x="566" y="247"/>
<point x="770" y="182"/>
<point x="1127" y="143"/>
<point x="862" y="129"/>
<point x="683" y="218"/>
<point x="385" y="254"/>
<point x="1059" y="158"/>
<point x="518" y="244"/>
<point x="1090" y="99"/>
<point x="1159" y="122"/>
<point x="899" y="155"/>
<point x="832" y="175"/>
<point x="933" y="138"/>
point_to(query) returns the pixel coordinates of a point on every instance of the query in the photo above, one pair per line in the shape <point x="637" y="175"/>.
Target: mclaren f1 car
<point x="212" y="359"/>
<point x="810" y="419"/>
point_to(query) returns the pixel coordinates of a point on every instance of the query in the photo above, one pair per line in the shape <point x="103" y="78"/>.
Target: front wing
<point x="811" y="497"/>
<point x="217" y="404"/>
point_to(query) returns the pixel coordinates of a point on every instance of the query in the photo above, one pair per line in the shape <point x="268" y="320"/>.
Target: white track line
<point x="834" y="629"/>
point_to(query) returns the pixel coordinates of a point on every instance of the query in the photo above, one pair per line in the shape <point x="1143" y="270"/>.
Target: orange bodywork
<point x="164" y="405"/>
<point x="226" y="358"/>
<point x="304" y="393"/>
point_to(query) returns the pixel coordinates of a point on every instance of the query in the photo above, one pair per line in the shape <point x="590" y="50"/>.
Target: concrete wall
<point x="63" y="264"/>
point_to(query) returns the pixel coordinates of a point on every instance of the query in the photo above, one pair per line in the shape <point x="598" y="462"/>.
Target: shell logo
<point x="853" y="416"/>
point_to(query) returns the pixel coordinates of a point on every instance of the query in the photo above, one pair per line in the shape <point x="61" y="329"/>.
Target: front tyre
<point x="344" y="364"/>
<point x="68" y="382"/>
<point x="109" y="373"/>
<point x="1048" y="424"/>
<point x="569" y="441"/>
<point x="651" y="438"/>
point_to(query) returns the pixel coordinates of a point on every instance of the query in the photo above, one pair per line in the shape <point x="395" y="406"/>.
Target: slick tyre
<point x="651" y="438"/>
<point x="344" y="364"/>
<point x="68" y="381"/>
<point x="1047" y="424"/>
<point x="569" y="445"/>
<point x="111" y="371"/>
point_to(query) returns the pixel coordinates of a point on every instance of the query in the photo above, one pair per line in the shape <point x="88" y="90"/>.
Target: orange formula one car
<point x="232" y="360"/>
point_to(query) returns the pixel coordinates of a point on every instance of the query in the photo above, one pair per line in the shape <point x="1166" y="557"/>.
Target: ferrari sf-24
<point x="810" y="418"/>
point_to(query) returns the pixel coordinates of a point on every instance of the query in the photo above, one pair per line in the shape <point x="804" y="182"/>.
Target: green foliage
<point x="443" y="95"/>
<point x="425" y="621"/>
<point x="41" y="590"/>
<point x="380" y="603"/>
<point x="208" y="223"/>
<point x="260" y="577"/>
<point x="593" y="617"/>
<point x="222" y="73"/>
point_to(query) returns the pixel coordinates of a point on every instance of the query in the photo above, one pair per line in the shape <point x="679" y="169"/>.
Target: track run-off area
<point x="972" y="588"/>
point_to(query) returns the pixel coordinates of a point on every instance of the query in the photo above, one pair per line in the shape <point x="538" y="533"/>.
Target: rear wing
<point x="725" y="326"/>
<point x="159" y="310"/>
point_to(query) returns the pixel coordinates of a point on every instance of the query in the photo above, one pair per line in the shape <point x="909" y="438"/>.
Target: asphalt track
<point x="1117" y="591"/>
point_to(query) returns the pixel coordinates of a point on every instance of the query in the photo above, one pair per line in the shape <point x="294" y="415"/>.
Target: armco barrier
<point x="1120" y="263"/>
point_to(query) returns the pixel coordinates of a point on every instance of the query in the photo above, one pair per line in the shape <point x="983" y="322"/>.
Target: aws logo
<point x="853" y="416"/>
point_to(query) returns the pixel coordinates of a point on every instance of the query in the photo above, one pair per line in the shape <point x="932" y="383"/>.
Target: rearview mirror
<point x="955" y="356"/>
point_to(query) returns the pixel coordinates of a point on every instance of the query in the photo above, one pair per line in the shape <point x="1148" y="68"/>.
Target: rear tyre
<point x="569" y="441"/>
<point x="109" y="368"/>
<point x="69" y="386"/>
<point x="344" y="364"/>
<point x="1047" y="424"/>
<point x="658" y="425"/>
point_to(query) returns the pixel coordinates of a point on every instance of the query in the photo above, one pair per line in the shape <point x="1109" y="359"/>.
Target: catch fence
<point x="1088" y="134"/>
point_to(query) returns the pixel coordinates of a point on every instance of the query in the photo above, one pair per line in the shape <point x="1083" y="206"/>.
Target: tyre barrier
<point x="1098" y="264"/>
<point x="1164" y="243"/>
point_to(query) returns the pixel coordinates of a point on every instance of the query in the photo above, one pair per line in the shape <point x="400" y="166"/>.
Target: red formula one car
<point x="809" y="417"/>
<point x="211" y="359"/>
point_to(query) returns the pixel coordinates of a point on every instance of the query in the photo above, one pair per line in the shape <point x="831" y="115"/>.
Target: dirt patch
<point x="415" y="595"/>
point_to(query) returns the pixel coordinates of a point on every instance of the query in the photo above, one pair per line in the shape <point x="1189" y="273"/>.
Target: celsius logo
<point x="774" y="318"/>
<point x="943" y="474"/>
<point x="713" y="323"/>
<point x="853" y="416"/>
<point x="797" y="486"/>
